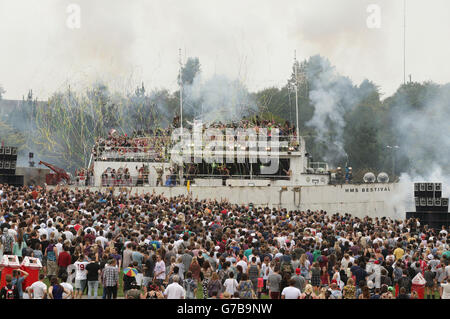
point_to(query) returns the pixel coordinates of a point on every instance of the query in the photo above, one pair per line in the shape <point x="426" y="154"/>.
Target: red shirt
<point x="64" y="259"/>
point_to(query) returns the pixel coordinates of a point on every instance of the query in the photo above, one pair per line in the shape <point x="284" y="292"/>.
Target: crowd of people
<point x="153" y="247"/>
<point x="155" y="145"/>
<point x="123" y="147"/>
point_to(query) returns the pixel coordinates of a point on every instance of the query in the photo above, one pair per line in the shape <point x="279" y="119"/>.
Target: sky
<point x="124" y="43"/>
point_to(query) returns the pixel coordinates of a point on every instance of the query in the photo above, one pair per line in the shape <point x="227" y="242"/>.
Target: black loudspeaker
<point x="420" y="190"/>
<point x="422" y="187"/>
<point x="2" y="150"/>
<point x="433" y="219"/>
<point x="417" y="201"/>
<point x="430" y="190"/>
<point x="438" y="190"/>
<point x="14" y="180"/>
<point x="6" y="165"/>
<point x="444" y="204"/>
<point x="438" y="202"/>
<point x="430" y="203"/>
<point x="423" y="202"/>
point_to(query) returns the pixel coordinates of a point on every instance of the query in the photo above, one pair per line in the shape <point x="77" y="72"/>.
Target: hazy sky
<point x="126" y="42"/>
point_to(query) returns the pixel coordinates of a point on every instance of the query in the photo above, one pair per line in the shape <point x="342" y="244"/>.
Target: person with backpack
<point x="309" y="293"/>
<point x="51" y="252"/>
<point x="10" y="291"/>
<point x="190" y="286"/>
<point x="405" y="282"/>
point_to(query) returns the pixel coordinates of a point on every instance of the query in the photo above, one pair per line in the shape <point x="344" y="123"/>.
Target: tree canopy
<point x="341" y="122"/>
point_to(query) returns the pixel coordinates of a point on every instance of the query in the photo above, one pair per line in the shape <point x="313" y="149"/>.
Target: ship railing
<point x="174" y="180"/>
<point x="317" y="168"/>
<point x="148" y="152"/>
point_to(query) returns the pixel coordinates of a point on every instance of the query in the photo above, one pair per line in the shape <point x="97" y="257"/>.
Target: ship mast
<point x="296" y="97"/>
<point x="181" y="93"/>
<point x="404" y="41"/>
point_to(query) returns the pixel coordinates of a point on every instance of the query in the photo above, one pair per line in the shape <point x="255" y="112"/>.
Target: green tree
<point x="190" y="70"/>
<point x="2" y="91"/>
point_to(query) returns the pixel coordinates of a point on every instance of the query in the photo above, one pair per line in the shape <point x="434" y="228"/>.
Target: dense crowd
<point x="154" y="145"/>
<point x="153" y="247"/>
<point x="148" y="148"/>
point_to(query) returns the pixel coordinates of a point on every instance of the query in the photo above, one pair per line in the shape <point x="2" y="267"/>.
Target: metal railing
<point x="150" y="153"/>
<point x="174" y="180"/>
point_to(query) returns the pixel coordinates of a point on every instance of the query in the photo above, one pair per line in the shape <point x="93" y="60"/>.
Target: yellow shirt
<point x="398" y="253"/>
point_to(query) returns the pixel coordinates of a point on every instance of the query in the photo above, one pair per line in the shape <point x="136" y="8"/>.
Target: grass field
<point x="199" y="294"/>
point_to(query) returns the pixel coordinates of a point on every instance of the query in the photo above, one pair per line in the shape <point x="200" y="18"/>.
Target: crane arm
<point x="59" y="171"/>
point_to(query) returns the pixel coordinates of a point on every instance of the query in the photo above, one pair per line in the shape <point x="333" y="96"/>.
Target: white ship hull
<point x="360" y="200"/>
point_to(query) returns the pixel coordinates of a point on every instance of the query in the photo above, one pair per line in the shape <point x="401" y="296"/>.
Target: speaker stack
<point x="8" y="162"/>
<point x="431" y="207"/>
<point x="428" y="197"/>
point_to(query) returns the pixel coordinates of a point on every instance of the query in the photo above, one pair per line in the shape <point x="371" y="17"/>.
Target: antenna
<point x="296" y="96"/>
<point x="404" y="41"/>
<point x="181" y="94"/>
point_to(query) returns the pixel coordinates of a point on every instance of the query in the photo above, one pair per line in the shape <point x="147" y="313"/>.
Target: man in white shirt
<point x="67" y="286"/>
<point x="242" y="263"/>
<point x="231" y="284"/>
<point x="291" y="292"/>
<point x="38" y="290"/>
<point x="102" y="239"/>
<point x="80" y="277"/>
<point x="68" y="234"/>
<point x="174" y="290"/>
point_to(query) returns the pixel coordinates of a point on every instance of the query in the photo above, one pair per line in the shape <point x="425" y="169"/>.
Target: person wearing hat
<point x="299" y="280"/>
<point x="335" y="291"/>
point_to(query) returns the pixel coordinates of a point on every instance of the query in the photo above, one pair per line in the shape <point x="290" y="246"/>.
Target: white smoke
<point x="332" y="95"/>
<point x="422" y="126"/>
<point x="218" y="98"/>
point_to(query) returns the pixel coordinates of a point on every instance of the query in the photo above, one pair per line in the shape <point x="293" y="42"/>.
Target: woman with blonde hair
<point x="349" y="290"/>
<point x="309" y="293"/>
<point x="337" y="250"/>
<point x="305" y="267"/>
<point x="214" y="285"/>
<point x="322" y="294"/>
